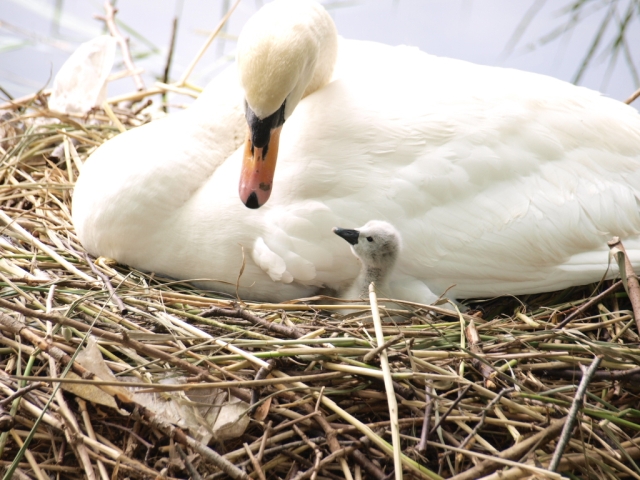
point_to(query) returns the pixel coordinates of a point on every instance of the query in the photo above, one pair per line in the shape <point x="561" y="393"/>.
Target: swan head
<point x="286" y="51"/>
<point x="377" y="245"/>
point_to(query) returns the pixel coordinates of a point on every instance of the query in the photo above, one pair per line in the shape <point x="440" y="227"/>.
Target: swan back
<point x="286" y="51"/>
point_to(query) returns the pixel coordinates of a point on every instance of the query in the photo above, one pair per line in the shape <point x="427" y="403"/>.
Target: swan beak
<point x="258" y="168"/>
<point x="350" y="236"/>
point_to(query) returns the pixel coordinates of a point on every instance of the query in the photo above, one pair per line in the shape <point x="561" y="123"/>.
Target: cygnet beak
<point x="350" y="236"/>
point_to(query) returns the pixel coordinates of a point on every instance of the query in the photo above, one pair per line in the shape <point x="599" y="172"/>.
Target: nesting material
<point x="294" y="390"/>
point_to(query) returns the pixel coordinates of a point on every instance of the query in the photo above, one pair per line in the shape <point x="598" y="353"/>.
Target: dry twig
<point x="110" y="20"/>
<point x="567" y="430"/>
<point x="632" y="282"/>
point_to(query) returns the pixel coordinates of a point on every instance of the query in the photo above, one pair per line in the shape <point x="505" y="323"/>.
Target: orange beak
<point x="258" y="168"/>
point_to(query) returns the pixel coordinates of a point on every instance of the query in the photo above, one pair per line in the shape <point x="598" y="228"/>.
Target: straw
<point x="417" y="390"/>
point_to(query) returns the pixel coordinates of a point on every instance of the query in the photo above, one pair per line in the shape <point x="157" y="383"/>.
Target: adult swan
<point x="499" y="181"/>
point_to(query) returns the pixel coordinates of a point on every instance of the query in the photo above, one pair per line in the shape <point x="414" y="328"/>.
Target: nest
<point x="119" y="373"/>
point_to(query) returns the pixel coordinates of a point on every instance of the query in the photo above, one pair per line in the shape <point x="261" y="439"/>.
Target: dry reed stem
<point x="632" y="97"/>
<point x="110" y="20"/>
<point x="629" y="278"/>
<point x="388" y="384"/>
<point x="187" y="73"/>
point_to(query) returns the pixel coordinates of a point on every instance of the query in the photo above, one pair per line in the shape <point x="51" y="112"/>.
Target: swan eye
<point x="370" y="239"/>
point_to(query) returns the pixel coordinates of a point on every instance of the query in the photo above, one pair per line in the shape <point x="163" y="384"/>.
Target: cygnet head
<point x="286" y="51"/>
<point x="377" y="245"/>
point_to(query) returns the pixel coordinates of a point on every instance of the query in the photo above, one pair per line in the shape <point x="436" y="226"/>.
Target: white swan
<point x="376" y="245"/>
<point x="499" y="181"/>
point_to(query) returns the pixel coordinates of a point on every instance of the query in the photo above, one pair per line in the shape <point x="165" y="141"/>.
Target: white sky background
<point x="32" y="47"/>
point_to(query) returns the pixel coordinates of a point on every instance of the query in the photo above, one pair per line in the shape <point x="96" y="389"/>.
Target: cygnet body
<point x="376" y="245"/>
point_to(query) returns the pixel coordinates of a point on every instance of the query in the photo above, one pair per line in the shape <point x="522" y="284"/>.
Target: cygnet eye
<point x="370" y="239"/>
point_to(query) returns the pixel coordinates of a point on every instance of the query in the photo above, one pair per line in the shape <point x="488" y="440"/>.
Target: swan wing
<point x="499" y="180"/>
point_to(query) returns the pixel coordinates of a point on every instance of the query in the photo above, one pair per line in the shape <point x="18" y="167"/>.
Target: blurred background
<point x="595" y="43"/>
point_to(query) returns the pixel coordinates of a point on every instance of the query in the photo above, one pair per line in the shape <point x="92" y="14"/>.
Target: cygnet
<point x="377" y="245"/>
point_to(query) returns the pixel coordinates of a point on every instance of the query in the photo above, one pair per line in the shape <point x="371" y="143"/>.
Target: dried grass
<point x="517" y="377"/>
<point x="497" y="383"/>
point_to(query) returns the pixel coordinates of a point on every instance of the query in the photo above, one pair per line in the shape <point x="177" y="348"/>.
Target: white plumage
<point x="499" y="181"/>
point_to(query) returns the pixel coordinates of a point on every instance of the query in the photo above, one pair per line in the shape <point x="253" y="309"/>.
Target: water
<point x="36" y="36"/>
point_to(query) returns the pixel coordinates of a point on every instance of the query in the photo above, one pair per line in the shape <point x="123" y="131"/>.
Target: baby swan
<point x="376" y="245"/>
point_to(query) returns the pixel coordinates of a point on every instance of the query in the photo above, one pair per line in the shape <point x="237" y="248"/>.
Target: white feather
<point x="499" y="182"/>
